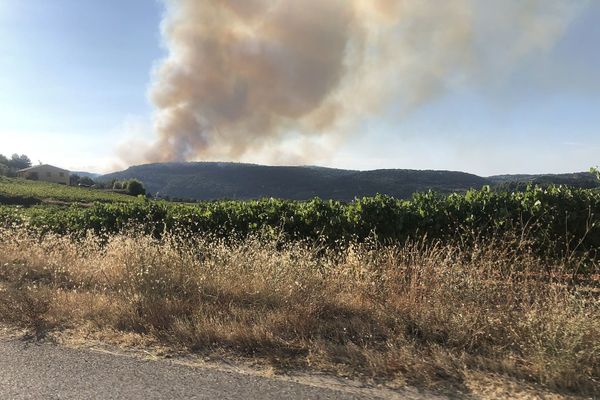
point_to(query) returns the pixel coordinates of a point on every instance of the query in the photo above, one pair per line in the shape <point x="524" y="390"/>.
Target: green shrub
<point x="135" y="188"/>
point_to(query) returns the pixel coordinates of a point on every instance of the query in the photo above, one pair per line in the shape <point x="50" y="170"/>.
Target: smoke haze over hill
<point x="254" y="76"/>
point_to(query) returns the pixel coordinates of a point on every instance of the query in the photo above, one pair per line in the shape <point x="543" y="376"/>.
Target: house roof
<point x="42" y="166"/>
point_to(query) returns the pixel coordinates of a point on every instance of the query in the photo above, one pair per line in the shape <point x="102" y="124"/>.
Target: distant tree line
<point x="85" y="181"/>
<point x="132" y="187"/>
<point x="10" y="166"/>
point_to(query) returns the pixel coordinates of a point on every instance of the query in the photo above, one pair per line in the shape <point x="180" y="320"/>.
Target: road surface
<point x="45" y="371"/>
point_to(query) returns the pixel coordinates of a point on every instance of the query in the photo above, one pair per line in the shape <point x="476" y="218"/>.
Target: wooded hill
<point x="216" y="180"/>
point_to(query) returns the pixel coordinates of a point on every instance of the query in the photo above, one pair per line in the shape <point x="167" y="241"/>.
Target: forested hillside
<point x="209" y="181"/>
<point x="212" y="180"/>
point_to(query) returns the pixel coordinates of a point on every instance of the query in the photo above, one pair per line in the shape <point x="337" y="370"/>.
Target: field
<point x="433" y="292"/>
<point x="26" y="192"/>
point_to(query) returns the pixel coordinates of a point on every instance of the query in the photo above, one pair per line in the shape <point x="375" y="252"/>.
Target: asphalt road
<point x="46" y="371"/>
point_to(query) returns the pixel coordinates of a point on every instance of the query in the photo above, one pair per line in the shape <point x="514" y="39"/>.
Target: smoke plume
<point x="247" y="76"/>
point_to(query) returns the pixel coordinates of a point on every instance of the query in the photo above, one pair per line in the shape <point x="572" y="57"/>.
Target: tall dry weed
<point x="415" y="312"/>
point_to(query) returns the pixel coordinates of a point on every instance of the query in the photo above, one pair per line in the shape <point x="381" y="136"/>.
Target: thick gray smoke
<point x="244" y="76"/>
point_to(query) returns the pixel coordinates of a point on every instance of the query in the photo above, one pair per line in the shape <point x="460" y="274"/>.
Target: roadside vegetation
<point x="426" y="291"/>
<point x="417" y="313"/>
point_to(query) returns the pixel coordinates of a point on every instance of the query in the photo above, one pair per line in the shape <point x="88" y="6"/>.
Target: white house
<point x="45" y="172"/>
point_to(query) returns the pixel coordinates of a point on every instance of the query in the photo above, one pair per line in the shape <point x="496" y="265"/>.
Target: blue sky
<point x="74" y="79"/>
<point x="74" y="73"/>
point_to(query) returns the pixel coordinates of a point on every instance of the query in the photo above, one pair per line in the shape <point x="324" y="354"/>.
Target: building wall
<point x="46" y="174"/>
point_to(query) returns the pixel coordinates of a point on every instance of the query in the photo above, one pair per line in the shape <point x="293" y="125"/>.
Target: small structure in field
<point x="46" y="173"/>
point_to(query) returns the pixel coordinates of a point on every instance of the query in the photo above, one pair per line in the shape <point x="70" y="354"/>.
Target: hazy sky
<point x="75" y="76"/>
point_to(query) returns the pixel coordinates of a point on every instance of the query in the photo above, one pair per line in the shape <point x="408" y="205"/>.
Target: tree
<point x="74" y="180"/>
<point x="135" y="188"/>
<point x="18" y="162"/>
<point x="86" y="181"/>
<point x="102" y="185"/>
<point x="3" y="169"/>
<point x="595" y="171"/>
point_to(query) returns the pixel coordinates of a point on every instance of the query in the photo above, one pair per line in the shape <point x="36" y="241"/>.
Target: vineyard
<point x="556" y="219"/>
<point x="27" y="192"/>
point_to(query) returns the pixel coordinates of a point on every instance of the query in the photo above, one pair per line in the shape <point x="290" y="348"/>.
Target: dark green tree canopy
<point x="10" y="166"/>
<point x="86" y="181"/>
<point x="135" y="188"/>
<point x="18" y="162"/>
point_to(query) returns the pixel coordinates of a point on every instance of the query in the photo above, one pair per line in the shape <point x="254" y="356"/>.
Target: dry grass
<point x="415" y="314"/>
